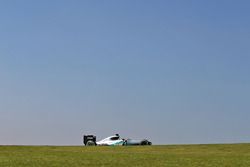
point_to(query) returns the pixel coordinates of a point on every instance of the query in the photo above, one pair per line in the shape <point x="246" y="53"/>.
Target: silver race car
<point x="90" y="140"/>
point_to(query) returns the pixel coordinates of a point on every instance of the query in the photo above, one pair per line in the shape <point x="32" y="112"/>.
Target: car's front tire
<point x="146" y="142"/>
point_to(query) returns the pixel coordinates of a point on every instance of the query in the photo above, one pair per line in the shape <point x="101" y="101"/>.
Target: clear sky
<point x="170" y="71"/>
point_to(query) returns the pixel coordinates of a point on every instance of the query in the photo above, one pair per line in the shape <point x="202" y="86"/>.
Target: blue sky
<point x="170" y="71"/>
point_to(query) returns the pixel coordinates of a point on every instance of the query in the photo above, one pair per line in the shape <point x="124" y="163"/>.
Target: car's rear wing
<point x="87" y="138"/>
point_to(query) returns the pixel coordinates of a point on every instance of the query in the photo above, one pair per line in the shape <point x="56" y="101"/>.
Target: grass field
<point x="227" y="155"/>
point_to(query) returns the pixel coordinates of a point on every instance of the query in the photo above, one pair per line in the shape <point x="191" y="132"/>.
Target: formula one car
<point x="90" y="140"/>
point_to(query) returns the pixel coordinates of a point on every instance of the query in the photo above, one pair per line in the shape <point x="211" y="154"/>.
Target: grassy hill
<point x="226" y="155"/>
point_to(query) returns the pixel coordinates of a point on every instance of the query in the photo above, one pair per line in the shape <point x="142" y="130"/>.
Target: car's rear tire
<point x="90" y="143"/>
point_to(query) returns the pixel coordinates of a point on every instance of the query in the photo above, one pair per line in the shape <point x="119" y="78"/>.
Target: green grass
<point x="227" y="155"/>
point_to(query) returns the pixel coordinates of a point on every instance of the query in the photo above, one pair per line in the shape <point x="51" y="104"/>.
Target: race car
<point x="115" y="140"/>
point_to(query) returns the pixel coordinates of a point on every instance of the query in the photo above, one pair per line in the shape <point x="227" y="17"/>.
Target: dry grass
<point x="227" y="155"/>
